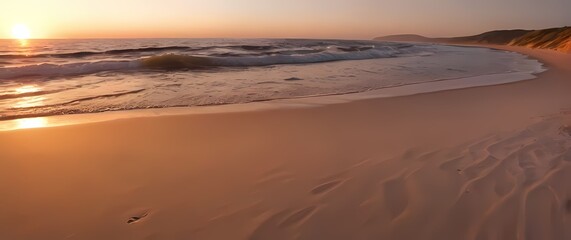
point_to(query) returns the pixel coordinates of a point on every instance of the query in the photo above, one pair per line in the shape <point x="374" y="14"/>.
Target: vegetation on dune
<point x="554" y="38"/>
<point x="494" y="37"/>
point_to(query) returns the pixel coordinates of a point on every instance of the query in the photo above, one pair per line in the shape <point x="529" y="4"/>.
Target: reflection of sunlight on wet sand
<point x="31" y="123"/>
<point x="27" y="102"/>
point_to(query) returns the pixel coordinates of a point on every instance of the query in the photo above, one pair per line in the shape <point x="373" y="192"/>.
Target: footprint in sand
<point x="137" y="218"/>
<point x="325" y="187"/>
<point x="293" y="79"/>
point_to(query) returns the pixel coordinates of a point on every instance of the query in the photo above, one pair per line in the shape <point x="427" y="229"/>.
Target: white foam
<point x="326" y="56"/>
<point x="67" y="69"/>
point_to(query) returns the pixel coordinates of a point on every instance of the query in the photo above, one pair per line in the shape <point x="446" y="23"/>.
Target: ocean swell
<point x="92" y="53"/>
<point x="188" y="62"/>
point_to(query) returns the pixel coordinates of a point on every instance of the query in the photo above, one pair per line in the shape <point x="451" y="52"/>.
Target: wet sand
<point x="480" y="163"/>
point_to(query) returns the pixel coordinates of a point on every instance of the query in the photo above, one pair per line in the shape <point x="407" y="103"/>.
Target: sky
<point x="347" y="19"/>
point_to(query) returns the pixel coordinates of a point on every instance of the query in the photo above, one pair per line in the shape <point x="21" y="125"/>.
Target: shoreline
<point x="469" y="163"/>
<point x="300" y="101"/>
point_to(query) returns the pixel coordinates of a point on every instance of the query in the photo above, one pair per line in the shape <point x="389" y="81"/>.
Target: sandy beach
<point x="480" y="163"/>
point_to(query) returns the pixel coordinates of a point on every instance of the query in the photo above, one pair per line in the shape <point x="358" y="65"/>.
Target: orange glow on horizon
<point x="358" y="19"/>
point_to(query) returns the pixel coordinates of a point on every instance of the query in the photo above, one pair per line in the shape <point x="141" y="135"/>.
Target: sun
<point x="21" y="32"/>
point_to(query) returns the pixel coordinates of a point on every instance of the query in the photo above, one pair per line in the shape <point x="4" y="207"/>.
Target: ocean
<point x="57" y="77"/>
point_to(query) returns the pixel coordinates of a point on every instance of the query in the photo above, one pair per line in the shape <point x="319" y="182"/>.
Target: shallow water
<point x="54" y="77"/>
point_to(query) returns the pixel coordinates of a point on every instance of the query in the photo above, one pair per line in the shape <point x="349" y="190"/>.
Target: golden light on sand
<point x="20" y="32"/>
<point x="31" y="123"/>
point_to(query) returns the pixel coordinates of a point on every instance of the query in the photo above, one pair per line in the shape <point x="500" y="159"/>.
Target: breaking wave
<point x="179" y="61"/>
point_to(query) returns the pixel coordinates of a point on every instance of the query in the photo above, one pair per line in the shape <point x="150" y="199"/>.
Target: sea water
<point x="55" y="77"/>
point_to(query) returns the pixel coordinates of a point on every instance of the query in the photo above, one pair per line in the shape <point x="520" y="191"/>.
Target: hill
<point x="500" y="37"/>
<point x="405" y="38"/>
<point x="555" y="38"/>
<point x="558" y="39"/>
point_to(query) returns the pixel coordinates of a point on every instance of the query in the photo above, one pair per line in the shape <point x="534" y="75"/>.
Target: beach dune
<point x="558" y="39"/>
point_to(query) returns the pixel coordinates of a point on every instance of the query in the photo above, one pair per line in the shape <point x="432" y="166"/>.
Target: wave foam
<point x="67" y="69"/>
<point x="174" y="61"/>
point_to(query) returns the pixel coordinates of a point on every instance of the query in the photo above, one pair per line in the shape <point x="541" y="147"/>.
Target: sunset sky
<point x="361" y="19"/>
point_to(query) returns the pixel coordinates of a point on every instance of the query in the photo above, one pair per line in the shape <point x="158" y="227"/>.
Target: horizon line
<point x="300" y="38"/>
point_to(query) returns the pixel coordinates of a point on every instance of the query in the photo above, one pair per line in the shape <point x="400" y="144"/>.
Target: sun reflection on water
<point x="31" y="123"/>
<point x="27" y="89"/>
<point x="29" y="102"/>
<point x="23" y="42"/>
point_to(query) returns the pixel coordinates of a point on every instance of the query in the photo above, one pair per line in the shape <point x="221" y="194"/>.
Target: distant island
<point x="558" y="39"/>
